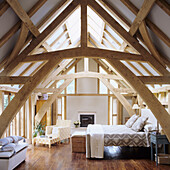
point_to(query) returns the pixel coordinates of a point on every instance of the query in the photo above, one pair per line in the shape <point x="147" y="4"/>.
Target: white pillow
<point x="55" y="130"/>
<point x="150" y="127"/>
<point x="131" y="120"/>
<point x="139" y="124"/>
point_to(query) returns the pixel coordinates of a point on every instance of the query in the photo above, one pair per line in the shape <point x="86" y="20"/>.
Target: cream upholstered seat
<point x="62" y="130"/>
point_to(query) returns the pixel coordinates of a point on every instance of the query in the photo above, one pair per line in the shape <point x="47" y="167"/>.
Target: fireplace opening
<point x="86" y="119"/>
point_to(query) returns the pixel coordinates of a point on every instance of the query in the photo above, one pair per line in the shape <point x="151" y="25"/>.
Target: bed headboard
<point x="147" y="113"/>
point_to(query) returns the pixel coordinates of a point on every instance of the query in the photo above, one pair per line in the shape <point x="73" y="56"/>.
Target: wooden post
<point x="30" y="119"/>
<point x="1" y="102"/>
<point x="65" y="108"/>
<point x="119" y="113"/>
<point x="109" y="110"/>
<point x="24" y="120"/>
<point x="168" y="102"/>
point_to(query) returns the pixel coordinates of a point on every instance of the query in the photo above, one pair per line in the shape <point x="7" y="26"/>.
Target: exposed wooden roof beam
<point x="127" y="37"/>
<point x="42" y="37"/>
<point x="13" y="79"/>
<point x="155" y="106"/>
<point x="120" y="97"/>
<point x="155" y="79"/>
<point x="83" y="23"/>
<point x="88" y="52"/>
<point x="3" y="7"/>
<point x="16" y="27"/>
<point x="151" y="25"/>
<point x="142" y="14"/>
<point x="9" y="89"/>
<point x="50" y="100"/>
<point x="164" y="5"/>
<point x="145" y="34"/>
<point x="20" y="98"/>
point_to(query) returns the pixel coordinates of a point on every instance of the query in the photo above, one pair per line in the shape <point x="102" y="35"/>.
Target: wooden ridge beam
<point x="50" y="100"/>
<point x="20" y="98"/>
<point x="42" y="37"/>
<point x="127" y="37"/>
<point x="120" y="97"/>
<point x="152" y="102"/>
<point x="45" y="90"/>
<point x="16" y="27"/>
<point x="13" y="79"/>
<point x="155" y="79"/>
<point x="150" y="24"/>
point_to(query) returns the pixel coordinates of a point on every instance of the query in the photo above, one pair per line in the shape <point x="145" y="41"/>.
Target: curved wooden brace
<point x="120" y="97"/>
<point x="21" y="40"/>
<point x="51" y="99"/>
<point x="145" y="34"/>
<point x="153" y="103"/>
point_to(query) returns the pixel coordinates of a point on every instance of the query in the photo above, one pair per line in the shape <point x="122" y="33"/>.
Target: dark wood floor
<point x="60" y="157"/>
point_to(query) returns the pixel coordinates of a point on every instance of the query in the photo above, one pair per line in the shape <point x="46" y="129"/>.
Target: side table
<point x="158" y="139"/>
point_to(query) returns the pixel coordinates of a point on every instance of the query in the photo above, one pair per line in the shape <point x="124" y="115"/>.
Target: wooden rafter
<point x="16" y="27"/>
<point x="157" y="109"/>
<point x="155" y="79"/>
<point x="151" y="25"/>
<point x="127" y="37"/>
<point x="164" y="6"/>
<point x="142" y="14"/>
<point x="42" y="37"/>
<point x="3" y="7"/>
<point x="13" y="80"/>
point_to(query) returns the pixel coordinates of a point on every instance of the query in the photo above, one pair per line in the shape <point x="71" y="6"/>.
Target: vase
<point x="76" y="126"/>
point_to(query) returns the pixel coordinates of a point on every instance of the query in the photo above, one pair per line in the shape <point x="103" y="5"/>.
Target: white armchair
<point x="62" y="130"/>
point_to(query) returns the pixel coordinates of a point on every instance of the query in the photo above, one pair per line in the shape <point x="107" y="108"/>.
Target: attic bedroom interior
<point x="84" y="84"/>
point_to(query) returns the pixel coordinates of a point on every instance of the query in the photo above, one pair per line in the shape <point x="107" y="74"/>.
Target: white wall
<point x="98" y="104"/>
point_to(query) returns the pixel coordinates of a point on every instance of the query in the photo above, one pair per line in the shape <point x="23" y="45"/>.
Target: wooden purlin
<point x="127" y="37"/>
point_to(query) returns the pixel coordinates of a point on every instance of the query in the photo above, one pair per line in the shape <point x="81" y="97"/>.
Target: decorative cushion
<point x="5" y="141"/>
<point x="16" y="138"/>
<point x="131" y="121"/>
<point x="139" y="124"/>
<point x="8" y="148"/>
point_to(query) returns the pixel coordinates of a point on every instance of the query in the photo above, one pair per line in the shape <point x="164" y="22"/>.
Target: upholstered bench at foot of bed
<point x="9" y="160"/>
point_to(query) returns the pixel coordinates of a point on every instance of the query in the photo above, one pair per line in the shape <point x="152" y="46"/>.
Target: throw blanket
<point x="95" y="148"/>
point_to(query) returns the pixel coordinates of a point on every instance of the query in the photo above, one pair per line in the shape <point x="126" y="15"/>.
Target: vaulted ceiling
<point x="42" y="39"/>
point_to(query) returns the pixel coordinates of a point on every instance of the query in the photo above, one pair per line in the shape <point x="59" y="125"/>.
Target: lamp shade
<point x="135" y="106"/>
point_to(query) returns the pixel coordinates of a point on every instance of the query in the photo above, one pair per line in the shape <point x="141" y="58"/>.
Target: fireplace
<point x="87" y="118"/>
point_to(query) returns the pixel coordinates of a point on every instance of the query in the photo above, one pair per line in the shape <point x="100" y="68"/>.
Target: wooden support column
<point x="24" y="120"/>
<point x="19" y="121"/>
<point x="155" y="106"/>
<point x="30" y="120"/>
<point x="169" y="102"/>
<point x="54" y="105"/>
<point x="119" y="113"/>
<point x="1" y="102"/>
<point x="83" y="23"/>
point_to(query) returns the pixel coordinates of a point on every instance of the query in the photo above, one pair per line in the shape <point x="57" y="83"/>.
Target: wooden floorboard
<point x="60" y="157"/>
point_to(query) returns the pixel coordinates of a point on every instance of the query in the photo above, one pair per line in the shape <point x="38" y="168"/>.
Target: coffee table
<point x="45" y="140"/>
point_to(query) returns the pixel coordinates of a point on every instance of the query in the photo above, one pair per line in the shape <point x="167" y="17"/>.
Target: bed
<point x="99" y="136"/>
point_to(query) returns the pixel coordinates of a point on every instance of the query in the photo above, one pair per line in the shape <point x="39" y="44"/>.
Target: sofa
<point x="62" y="130"/>
<point x="12" y="152"/>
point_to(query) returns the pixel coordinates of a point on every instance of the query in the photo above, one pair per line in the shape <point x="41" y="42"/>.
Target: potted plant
<point x="76" y="123"/>
<point x="39" y="129"/>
